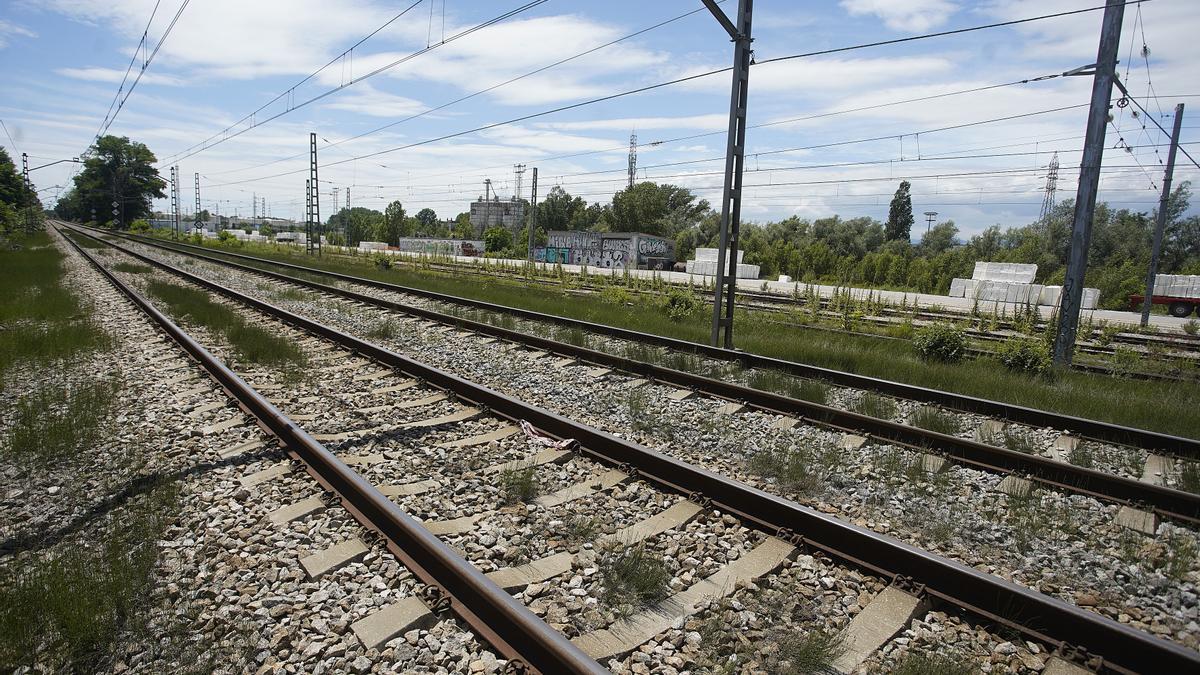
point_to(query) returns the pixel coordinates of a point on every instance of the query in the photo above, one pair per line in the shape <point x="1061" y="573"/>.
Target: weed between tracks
<point x="874" y="405"/>
<point x="780" y="383"/>
<point x="518" y="484"/>
<point x="811" y="652"/>
<point x="933" y="419"/>
<point x="803" y="469"/>
<point x="915" y="663"/>
<point x="131" y="268"/>
<point x="631" y="577"/>
<point x="252" y="343"/>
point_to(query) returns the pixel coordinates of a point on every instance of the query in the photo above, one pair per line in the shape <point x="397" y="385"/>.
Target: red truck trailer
<point x="1176" y="306"/>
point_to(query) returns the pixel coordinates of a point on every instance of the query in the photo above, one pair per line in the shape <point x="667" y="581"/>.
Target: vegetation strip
<point x="1138" y="394"/>
<point x="1041" y="617"/>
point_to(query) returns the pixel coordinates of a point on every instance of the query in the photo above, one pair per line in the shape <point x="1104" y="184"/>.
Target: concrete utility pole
<point x="28" y="186"/>
<point x="929" y="216"/>
<point x="487" y="199"/>
<point x="1089" y="181"/>
<point x="1161" y="225"/>
<point x="731" y="198"/>
<point x="632" y="157"/>
<point x="175" y="197"/>
<point x="313" y="245"/>
<point x="532" y="213"/>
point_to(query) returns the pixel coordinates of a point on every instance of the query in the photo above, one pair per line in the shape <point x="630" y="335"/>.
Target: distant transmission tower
<point x="632" y="157"/>
<point x="519" y="174"/>
<point x="1051" y="185"/>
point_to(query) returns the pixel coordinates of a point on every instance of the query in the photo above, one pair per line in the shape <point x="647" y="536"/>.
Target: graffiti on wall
<point x="605" y="249"/>
<point x="652" y="248"/>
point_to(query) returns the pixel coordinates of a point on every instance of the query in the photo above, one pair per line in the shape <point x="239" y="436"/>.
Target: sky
<point x="237" y="87"/>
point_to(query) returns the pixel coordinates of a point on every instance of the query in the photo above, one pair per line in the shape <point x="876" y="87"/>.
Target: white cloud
<point x="113" y="75"/>
<point x="9" y="29"/>
<point x="367" y="100"/>
<point x="904" y="15"/>
<point x="707" y="122"/>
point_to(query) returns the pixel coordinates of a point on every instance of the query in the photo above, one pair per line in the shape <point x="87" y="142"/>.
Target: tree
<point x="393" y="226"/>
<point x="428" y="220"/>
<point x="558" y="210"/>
<point x="15" y="197"/>
<point x="266" y="230"/>
<point x="463" y="229"/>
<point x="496" y="239"/>
<point x="900" y="215"/>
<point x="116" y="169"/>
<point x="939" y="238"/>
<point x="664" y="210"/>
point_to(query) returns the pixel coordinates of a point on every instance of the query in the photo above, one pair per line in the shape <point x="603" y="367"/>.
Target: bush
<point x="940" y="342"/>
<point x="679" y="303"/>
<point x="1191" y="327"/>
<point x="139" y="226"/>
<point x="496" y="239"/>
<point x="225" y="236"/>
<point x="381" y="260"/>
<point x="1024" y="355"/>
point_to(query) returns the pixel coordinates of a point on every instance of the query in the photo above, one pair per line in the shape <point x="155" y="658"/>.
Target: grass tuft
<point x="874" y="405"/>
<point x="131" y="268"/>
<point x="811" y="652"/>
<point x="72" y="610"/>
<point x="935" y="419"/>
<point x="631" y="576"/>
<point x="52" y="424"/>
<point x="518" y="484"/>
<point x="915" y="663"/>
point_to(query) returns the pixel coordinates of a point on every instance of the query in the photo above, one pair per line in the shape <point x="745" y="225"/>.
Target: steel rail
<point x="1105" y="431"/>
<point x="492" y="613"/>
<point x="1167" y="502"/>
<point x="1038" y="616"/>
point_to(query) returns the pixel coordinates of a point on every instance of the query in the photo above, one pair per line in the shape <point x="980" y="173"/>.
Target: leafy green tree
<point x="496" y="239"/>
<point x="266" y="230"/>
<point x="558" y="210"/>
<point x="463" y="229"/>
<point x="394" y="224"/>
<point x="657" y="209"/>
<point x="900" y="215"/>
<point x="427" y="219"/>
<point x="15" y="197"/>
<point x="116" y="169"/>
<point x="940" y="238"/>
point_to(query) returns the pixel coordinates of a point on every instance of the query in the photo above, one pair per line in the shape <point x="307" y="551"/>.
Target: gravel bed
<point x="972" y="520"/>
<point x="229" y="586"/>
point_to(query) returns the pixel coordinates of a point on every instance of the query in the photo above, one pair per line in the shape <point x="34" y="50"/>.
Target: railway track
<point x="759" y="299"/>
<point x="1139" y="496"/>
<point x="1090" y="429"/>
<point x="946" y="582"/>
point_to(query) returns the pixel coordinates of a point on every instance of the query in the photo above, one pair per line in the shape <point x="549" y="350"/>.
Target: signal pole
<point x="632" y="157"/>
<point x="196" y="225"/>
<point x="532" y="213"/>
<point x="1161" y="225"/>
<point x="28" y="187"/>
<point x="731" y="198"/>
<point x="175" y="197"/>
<point x="314" y="192"/>
<point x="1089" y="182"/>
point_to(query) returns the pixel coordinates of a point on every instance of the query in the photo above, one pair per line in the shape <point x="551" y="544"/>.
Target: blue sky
<point x="63" y="59"/>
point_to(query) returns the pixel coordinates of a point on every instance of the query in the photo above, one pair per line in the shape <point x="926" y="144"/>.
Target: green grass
<point x="915" y="663"/>
<point x="131" y="268"/>
<point x="804" y="389"/>
<point x="800" y="468"/>
<point x="1121" y="401"/>
<point x="251" y="343"/>
<point x="1189" y="477"/>
<point x="810" y="652"/>
<point x="1019" y="443"/>
<point x="631" y="577"/>
<point x="875" y="406"/>
<point x="935" y="419"/>
<point x="388" y="329"/>
<point x="293" y="294"/>
<point x="41" y="321"/>
<point x="74" y="608"/>
<point x="52" y="424"/>
<point x="518" y="484"/>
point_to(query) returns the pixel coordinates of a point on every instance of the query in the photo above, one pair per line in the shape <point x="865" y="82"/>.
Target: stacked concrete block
<point x="1013" y="273"/>
<point x="710" y="255"/>
<point x="706" y="264"/>
<point x="372" y="245"/>
<point x="1177" y="285"/>
<point x="1050" y="295"/>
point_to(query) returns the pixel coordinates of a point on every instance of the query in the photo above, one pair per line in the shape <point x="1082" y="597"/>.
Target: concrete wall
<point x="610" y="250"/>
